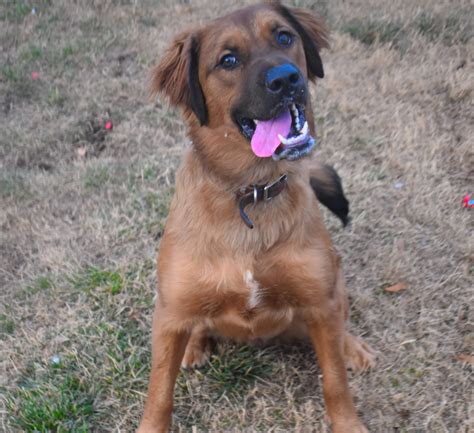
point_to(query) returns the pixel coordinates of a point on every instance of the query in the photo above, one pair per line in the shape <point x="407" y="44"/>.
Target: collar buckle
<point x="259" y="193"/>
<point x="266" y="188"/>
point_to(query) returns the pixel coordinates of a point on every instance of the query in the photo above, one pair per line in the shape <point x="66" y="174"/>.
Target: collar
<point x="254" y="194"/>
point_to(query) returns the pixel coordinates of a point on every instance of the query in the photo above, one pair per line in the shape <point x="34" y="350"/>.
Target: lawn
<point x="83" y="207"/>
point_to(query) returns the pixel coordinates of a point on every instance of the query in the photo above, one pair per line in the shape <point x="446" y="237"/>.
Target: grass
<point x="235" y="370"/>
<point x="15" y="11"/>
<point x="12" y="185"/>
<point x="96" y="177"/>
<point x="82" y="210"/>
<point x="17" y="78"/>
<point x="370" y="32"/>
<point x="7" y="325"/>
<point x="97" y="279"/>
<point x="60" y="401"/>
<point x="449" y="29"/>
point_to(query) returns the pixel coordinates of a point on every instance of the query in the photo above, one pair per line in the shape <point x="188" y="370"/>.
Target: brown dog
<point x="228" y="268"/>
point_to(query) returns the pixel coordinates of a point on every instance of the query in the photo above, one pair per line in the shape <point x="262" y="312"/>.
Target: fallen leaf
<point x="82" y="151"/>
<point x="399" y="287"/>
<point x="466" y="359"/>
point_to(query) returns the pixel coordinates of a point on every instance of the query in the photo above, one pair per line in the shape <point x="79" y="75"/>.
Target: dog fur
<point x="217" y="276"/>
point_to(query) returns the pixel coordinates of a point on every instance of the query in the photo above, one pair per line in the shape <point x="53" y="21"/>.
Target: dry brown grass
<point x="79" y="233"/>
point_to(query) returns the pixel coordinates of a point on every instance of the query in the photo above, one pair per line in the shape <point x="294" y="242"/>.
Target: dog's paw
<point x="145" y="428"/>
<point x="197" y="353"/>
<point x="353" y="427"/>
<point x="358" y="354"/>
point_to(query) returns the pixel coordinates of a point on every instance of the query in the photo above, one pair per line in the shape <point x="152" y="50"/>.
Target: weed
<point x="56" y="97"/>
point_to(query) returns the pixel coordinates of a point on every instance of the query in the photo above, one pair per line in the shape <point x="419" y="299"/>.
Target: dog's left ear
<point x="313" y="33"/>
<point x="177" y="76"/>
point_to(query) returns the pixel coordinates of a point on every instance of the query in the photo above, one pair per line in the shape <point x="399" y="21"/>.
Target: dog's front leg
<point x="327" y="335"/>
<point x="168" y="345"/>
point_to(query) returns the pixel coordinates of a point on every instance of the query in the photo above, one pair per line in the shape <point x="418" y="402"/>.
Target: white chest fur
<point x="256" y="291"/>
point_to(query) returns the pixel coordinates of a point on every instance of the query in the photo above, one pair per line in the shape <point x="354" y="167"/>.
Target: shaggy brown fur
<point x="216" y="276"/>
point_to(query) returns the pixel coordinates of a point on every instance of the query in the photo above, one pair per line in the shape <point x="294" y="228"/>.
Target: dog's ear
<point x="177" y="77"/>
<point x="313" y="33"/>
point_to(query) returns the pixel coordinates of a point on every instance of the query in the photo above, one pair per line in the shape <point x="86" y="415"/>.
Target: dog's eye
<point x="285" y="39"/>
<point x="229" y="61"/>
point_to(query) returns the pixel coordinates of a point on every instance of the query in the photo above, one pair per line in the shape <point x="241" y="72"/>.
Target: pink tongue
<point x="265" y="138"/>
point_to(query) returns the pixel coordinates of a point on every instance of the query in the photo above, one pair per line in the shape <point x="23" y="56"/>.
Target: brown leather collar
<point x="257" y="193"/>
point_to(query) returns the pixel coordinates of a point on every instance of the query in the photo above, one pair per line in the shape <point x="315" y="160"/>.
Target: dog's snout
<point x="284" y="79"/>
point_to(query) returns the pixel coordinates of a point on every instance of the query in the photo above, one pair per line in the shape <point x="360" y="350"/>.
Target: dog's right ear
<point x="177" y="77"/>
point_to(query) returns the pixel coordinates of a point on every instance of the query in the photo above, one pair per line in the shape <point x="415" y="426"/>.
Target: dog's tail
<point x="327" y="187"/>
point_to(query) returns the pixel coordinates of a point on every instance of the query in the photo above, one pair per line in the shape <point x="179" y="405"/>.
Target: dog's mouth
<point x="284" y="136"/>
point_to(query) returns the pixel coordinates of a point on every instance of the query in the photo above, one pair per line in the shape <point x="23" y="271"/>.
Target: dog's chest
<point x="253" y="312"/>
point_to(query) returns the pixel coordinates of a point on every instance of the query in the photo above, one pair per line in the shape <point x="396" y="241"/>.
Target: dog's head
<point x="242" y="81"/>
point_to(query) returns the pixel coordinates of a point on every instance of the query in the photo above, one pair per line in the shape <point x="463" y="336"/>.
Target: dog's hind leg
<point x="327" y="187"/>
<point x="199" y="348"/>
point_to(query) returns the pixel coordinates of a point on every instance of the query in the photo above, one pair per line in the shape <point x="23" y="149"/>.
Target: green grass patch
<point x="12" y="185"/>
<point x="371" y="32"/>
<point x="104" y="361"/>
<point x="15" y="11"/>
<point x="52" y="398"/>
<point x="18" y="80"/>
<point x="96" y="177"/>
<point x="237" y="368"/>
<point x="67" y="51"/>
<point x="94" y="279"/>
<point x="31" y="54"/>
<point x="41" y="284"/>
<point x="7" y="326"/>
<point x="56" y="97"/>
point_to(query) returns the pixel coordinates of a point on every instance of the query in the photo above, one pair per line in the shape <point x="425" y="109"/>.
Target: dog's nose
<point x="284" y="79"/>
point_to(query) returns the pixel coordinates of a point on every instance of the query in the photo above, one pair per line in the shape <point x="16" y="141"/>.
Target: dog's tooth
<point x="305" y="129"/>
<point x="293" y="140"/>
<point x="283" y="140"/>
<point x="256" y="121"/>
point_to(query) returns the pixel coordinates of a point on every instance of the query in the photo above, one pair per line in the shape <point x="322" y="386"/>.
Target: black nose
<point x="285" y="80"/>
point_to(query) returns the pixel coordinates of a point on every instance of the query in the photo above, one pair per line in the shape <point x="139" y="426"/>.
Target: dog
<point x="245" y="253"/>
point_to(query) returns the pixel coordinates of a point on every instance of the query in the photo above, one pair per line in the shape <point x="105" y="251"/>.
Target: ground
<point x="82" y="209"/>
